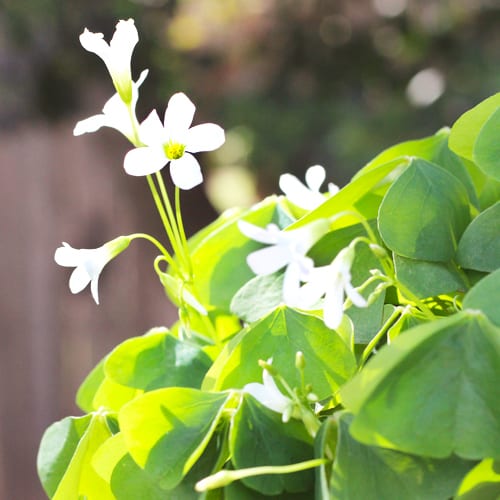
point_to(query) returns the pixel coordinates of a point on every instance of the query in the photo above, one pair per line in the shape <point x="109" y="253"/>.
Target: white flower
<point x="287" y="248"/>
<point x="306" y="196"/>
<point x="271" y="397"/>
<point x="115" y="114"/>
<point x="117" y="55"/>
<point x="334" y="282"/>
<point x="89" y="263"/>
<point x="173" y="141"/>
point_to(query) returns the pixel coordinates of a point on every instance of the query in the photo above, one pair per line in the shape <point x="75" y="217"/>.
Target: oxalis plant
<point x="339" y="345"/>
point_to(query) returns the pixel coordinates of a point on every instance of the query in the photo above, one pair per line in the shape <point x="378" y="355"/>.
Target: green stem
<point x="157" y="244"/>
<point x="225" y="477"/>
<point x="163" y="214"/>
<point x="180" y="249"/>
<point x="376" y="339"/>
<point x="182" y="232"/>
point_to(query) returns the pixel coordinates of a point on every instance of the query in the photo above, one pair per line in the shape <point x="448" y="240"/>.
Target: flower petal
<point x="124" y="40"/>
<point x="91" y="124"/>
<point x="298" y="193"/>
<point x="186" y="172"/>
<point x="67" y="256"/>
<point x="151" y="131"/>
<point x="269" y="260"/>
<point x="79" y="279"/>
<point x="333" y="308"/>
<point x="356" y="298"/>
<point x="95" y="43"/>
<point x="267" y="235"/>
<point x="315" y="176"/>
<point x="94" y="289"/>
<point x="144" y="161"/>
<point x="178" y="116"/>
<point x="205" y="137"/>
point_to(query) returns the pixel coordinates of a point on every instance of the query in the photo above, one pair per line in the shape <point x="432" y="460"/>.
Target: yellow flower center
<point x="174" y="150"/>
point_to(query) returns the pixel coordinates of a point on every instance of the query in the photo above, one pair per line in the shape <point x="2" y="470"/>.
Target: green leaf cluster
<point x="401" y="401"/>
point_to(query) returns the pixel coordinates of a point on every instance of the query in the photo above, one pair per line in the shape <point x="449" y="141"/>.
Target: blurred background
<point x="293" y="82"/>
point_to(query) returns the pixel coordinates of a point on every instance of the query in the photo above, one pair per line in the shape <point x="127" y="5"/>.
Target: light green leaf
<point x="167" y="430"/>
<point x="433" y="391"/>
<point x="484" y="296"/>
<point x="157" y="360"/>
<point x="329" y="362"/>
<point x="466" y="129"/>
<point x="65" y="455"/>
<point x="424" y="213"/>
<point x="479" y="247"/>
<point x="482" y="482"/>
<point x="346" y="199"/>
<point x="87" y="390"/>
<point x="372" y="473"/>
<point x="428" y="279"/>
<point x="258" y="437"/>
<point x="219" y="259"/>
<point x="258" y="297"/>
<point x="486" y="153"/>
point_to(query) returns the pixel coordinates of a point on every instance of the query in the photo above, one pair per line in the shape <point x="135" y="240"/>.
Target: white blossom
<point x="173" y="141"/>
<point x="269" y="395"/>
<point x="115" y="114"/>
<point x="117" y="55"/>
<point x="286" y="249"/>
<point x="308" y="195"/>
<point x="89" y="263"/>
<point x="334" y="283"/>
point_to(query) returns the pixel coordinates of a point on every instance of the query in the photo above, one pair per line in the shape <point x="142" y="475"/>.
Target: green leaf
<point x="280" y="335"/>
<point x="258" y="297"/>
<point x="479" y="247"/>
<point x="157" y="360"/>
<point x="428" y="279"/>
<point x="466" y="129"/>
<point x="433" y="149"/>
<point x="167" y="430"/>
<point x="87" y="390"/>
<point x="219" y="259"/>
<point x="258" y="437"/>
<point x="64" y="459"/>
<point x="346" y="199"/>
<point x="424" y="213"/>
<point x="433" y="391"/>
<point x="482" y="482"/>
<point x="372" y="473"/>
<point x="484" y="297"/>
<point x="238" y="491"/>
<point x="129" y="482"/>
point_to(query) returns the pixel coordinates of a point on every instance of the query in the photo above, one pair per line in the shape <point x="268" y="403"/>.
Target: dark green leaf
<point x="428" y="279"/>
<point x="424" y="213"/>
<point x="258" y="437"/>
<point x="433" y="391"/>
<point x="484" y="297"/>
<point x="479" y="247"/>
<point x="372" y="473"/>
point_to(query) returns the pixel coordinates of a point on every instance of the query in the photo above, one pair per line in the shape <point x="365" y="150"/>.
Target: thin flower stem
<point x="167" y="257"/>
<point x="225" y="477"/>
<point x="163" y="215"/>
<point x="376" y="339"/>
<point x="180" y="248"/>
<point x="180" y="225"/>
